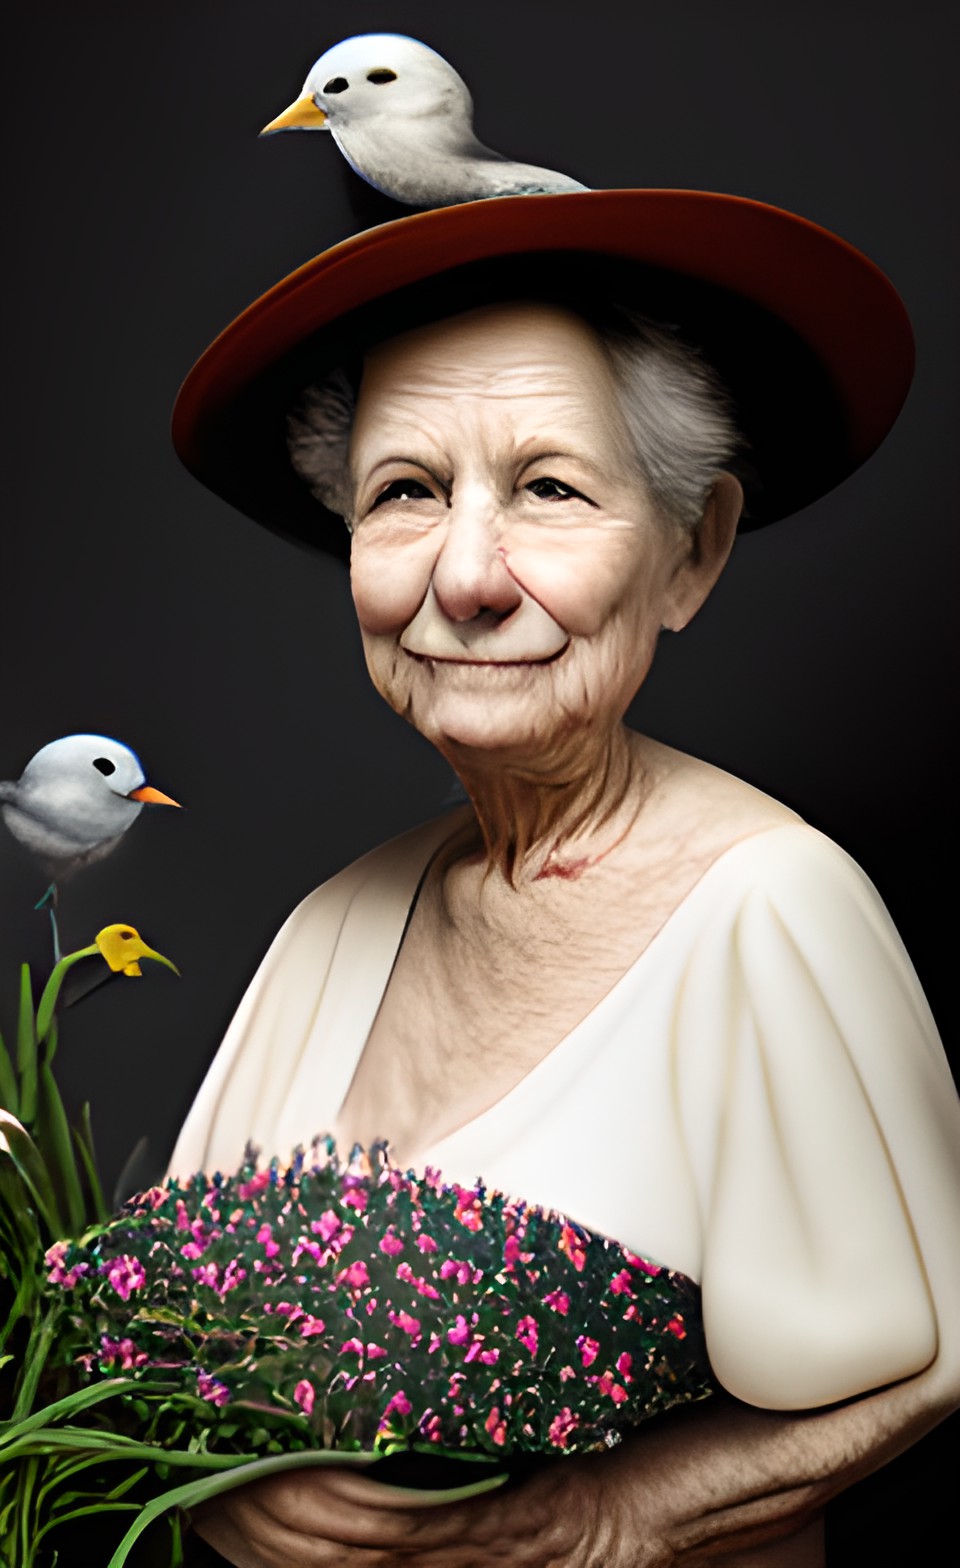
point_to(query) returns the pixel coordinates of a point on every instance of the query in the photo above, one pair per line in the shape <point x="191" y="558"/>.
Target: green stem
<point x="199" y="1491"/>
<point x="41" y="1337"/>
<point x="82" y="1399"/>
<point x="51" y="990"/>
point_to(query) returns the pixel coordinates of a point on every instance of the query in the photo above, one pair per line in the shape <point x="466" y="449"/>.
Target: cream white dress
<point x="761" y="1101"/>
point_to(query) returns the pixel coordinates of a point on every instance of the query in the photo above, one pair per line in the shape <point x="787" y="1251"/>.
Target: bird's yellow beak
<point x="153" y="797"/>
<point x="301" y="116"/>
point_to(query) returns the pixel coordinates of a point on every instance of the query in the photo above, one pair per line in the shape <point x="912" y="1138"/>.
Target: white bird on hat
<point x="403" y="119"/>
<point x="73" y="802"/>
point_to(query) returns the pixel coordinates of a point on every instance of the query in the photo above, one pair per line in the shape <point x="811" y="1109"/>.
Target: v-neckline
<point x="552" y="1059"/>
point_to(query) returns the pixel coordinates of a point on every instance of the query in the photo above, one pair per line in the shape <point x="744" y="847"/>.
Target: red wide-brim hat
<point x="810" y="337"/>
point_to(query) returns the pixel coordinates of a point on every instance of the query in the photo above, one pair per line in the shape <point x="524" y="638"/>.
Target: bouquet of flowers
<point x="322" y="1311"/>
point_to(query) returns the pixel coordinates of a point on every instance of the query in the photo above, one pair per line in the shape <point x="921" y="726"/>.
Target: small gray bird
<point x="403" y="119"/>
<point x="72" y="804"/>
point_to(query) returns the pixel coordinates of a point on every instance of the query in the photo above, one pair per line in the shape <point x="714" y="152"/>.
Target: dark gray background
<point x="142" y="213"/>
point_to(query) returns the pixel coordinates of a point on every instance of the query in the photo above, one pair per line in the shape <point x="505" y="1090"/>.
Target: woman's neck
<point x="557" y="816"/>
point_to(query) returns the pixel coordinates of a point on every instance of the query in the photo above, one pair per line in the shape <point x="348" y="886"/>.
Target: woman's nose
<point x="470" y="575"/>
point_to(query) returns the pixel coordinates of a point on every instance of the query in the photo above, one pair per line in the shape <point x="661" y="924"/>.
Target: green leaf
<point x="211" y="1486"/>
<point x="53" y="1134"/>
<point x="51" y="992"/>
<point x="27" y="1048"/>
<point x="9" y="1091"/>
<point x="88" y="1155"/>
<point x="17" y="1144"/>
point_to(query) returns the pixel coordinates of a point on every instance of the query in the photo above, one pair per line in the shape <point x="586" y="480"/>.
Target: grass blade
<point x="27" y="1048"/>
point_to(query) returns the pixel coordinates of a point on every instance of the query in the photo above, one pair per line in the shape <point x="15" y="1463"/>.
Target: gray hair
<point x="677" y="411"/>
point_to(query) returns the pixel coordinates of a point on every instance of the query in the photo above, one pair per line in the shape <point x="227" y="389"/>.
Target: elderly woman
<point x="620" y="982"/>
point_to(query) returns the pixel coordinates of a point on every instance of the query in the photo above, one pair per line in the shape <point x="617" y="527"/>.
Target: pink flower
<point x="312" y="1248"/>
<point x="403" y="1320"/>
<point x="461" y="1333"/>
<point x="558" y="1300"/>
<point x="676" y="1326"/>
<point x="191" y="1250"/>
<point x="304" y="1395"/>
<point x="588" y="1349"/>
<point x="326" y="1226"/>
<point x="356" y="1276"/>
<point x="426" y="1244"/>
<point x="496" y="1426"/>
<point x="572" y="1243"/>
<point x="265" y="1237"/>
<point x="566" y="1373"/>
<point x="206" y="1274"/>
<point x="641" y="1263"/>
<point x="357" y="1199"/>
<point x="59" y="1275"/>
<point x="399" y="1404"/>
<point x="309" y="1325"/>
<point x="213" y="1389"/>
<point x="468" y="1210"/>
<point x="256" y="1184"/>
<point x="527" y="1334"/>
<point x="561" y="1426"/>
<point x="607" y="1385"/>
<point x="624" y="1363"/>
<point x="621" y="1283"/>
<point x="352" y="1347"/>
<point x="391" y="1243"/>
<point x="122" y="1350"/>
<point x="126" y="1275"/>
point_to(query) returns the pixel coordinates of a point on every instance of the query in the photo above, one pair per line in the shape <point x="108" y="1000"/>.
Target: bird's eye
<point x="336" y="84"/>
<point x="105" y="766"/>
<point x="547" y="489"/>
<point x="404" y="490"/>
<point x="380" y="77"/>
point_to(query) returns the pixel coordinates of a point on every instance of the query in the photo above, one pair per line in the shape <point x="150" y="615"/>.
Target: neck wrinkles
<point x="557" y="816"/>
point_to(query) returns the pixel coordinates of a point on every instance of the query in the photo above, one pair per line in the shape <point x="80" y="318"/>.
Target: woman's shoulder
<point x="396" y="865"/>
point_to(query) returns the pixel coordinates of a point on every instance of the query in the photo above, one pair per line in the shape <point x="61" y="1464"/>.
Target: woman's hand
<point x="573" y="1514"/>
<point x="719" y="1483"/>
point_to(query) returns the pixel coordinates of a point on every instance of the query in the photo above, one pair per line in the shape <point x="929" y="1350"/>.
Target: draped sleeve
<point x="820" y="1120"/>
<point x="287" y="1058"/>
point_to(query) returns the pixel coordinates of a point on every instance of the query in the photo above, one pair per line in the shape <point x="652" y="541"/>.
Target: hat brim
<point x="811" y="337"/>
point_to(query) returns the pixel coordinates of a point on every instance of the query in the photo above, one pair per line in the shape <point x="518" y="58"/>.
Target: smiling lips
<point x="527" y="635"/>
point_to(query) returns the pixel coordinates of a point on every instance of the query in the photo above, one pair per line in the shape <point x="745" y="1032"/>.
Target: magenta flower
<point x="409" y="1324"/>
<point x="126" y="1275"/>
<point x="527" y="1334"/>
<point x="461" y="1333"/>
<point x="326" y="1226"/>
<point x="356" y="1276"/>
<point x="496" y="1426"/>
<point x="212" y="1389"/>
<point x="391" y="1243"/>
<point x="621" y="1284"/>
<point x="561" y="1426"/>
<point x="304" y="1395"/>
<point x="558" y="1301"/>
<point x="59" y="1275"/>
<point x="588" y="1349"/>
<point x="399" y="1404"/>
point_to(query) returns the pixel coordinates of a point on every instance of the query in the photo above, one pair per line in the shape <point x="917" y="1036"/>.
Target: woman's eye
<point x="404" y="490"/>
<point x="547" y="489"/>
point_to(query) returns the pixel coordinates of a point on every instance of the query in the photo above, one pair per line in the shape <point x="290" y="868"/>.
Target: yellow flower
<point x="121" y="946"/>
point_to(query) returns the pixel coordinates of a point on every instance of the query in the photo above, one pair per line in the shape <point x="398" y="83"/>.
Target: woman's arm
<point x="719" y="1483"/>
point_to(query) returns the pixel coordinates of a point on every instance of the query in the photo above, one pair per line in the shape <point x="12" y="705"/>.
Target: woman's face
<point x="510" y="572"/>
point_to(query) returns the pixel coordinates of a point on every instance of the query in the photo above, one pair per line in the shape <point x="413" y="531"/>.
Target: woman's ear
<point x="710" y="544"/>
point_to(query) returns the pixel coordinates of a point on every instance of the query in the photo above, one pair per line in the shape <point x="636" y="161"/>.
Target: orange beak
<point x="153" y="797"/>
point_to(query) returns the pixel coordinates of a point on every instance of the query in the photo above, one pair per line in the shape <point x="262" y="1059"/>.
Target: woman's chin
<point x="509" y="720"/>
